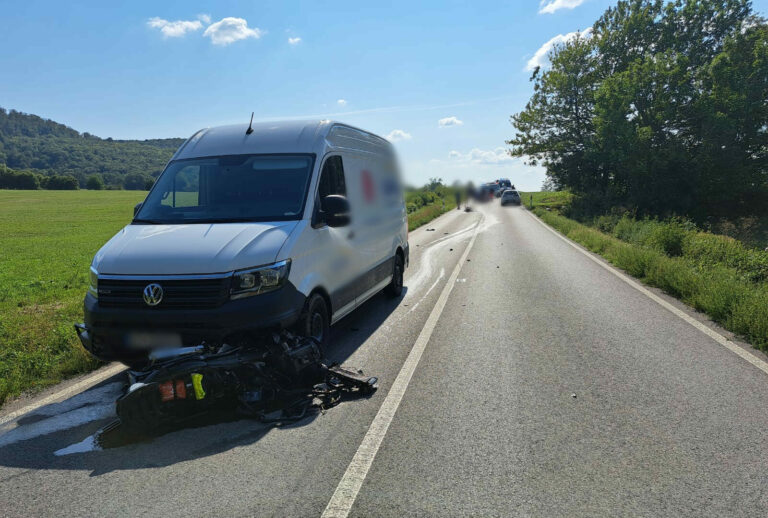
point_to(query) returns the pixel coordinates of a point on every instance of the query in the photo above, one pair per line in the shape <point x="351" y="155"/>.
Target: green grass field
<point x="553" y="200"/>
<point x="47" y="241"/>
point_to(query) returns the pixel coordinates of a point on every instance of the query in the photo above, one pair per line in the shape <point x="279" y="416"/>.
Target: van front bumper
<point x="106" y="330"/>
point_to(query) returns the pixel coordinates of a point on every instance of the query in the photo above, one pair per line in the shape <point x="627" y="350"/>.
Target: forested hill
<point x="29" y="142"/>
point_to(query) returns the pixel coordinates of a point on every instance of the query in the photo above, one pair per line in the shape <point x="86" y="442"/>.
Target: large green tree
<point x="661" y="110"/>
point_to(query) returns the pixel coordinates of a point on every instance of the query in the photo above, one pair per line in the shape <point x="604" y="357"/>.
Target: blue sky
<point x="149" y="69"/>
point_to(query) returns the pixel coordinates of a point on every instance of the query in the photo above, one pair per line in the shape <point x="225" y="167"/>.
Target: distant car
<point x="510" y="196"/>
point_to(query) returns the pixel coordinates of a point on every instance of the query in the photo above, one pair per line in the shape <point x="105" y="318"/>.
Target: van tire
<point x="314" y="321"/>
<point x="395" y="287"/>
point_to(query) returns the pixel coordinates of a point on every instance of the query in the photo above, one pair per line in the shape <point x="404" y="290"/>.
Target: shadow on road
<point x="30" y="441"/>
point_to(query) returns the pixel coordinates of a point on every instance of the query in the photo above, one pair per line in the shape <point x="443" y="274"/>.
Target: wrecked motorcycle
<point x="279" y="378"/>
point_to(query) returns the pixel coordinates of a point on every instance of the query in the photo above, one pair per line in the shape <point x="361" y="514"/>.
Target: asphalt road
<point x="548" y="387"/>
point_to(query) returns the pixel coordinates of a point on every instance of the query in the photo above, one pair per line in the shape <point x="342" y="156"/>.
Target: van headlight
<point x="93" y="282"/>
<point x="255" y="281"/>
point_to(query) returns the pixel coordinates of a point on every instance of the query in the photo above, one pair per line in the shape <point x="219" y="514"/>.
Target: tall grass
<point x="714" y="274"/>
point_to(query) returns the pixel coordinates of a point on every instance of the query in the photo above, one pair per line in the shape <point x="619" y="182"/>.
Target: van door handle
<point x="351" y="234"/>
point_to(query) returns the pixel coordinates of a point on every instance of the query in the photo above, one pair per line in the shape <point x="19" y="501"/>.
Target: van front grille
<point x="177" y="293"/>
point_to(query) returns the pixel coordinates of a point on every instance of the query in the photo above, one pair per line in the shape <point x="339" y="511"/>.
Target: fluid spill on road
<point x="93" y="405"/>
<point x="84" y="446"/>
<point x="426" y="267"/>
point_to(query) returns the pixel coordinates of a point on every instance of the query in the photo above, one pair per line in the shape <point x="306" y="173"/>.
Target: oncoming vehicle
<point x="510" y="196"/>
<point x="283" y="225"/>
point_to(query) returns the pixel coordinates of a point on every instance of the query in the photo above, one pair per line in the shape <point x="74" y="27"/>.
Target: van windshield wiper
<point x="148" y="221"/>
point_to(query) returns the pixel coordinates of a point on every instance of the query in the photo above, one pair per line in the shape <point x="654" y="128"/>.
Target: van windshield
<point x="228" y="189"/>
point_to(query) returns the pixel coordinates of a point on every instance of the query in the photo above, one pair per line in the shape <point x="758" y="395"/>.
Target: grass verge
<point x="426" y="214"/>
<point x="553" y="200"/>
<point x="724" y="292"/>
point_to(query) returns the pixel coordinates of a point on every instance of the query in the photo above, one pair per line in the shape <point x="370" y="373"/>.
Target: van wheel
<point x="395" y="287"/>
<point x="314" y="321"/>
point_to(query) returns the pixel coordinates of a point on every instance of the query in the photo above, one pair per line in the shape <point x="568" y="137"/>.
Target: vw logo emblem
<point x="153" y="294"/>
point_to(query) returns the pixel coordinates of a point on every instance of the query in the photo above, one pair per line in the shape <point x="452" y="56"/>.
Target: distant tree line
<point x="661" y="109"/>
<point x="10" y="179"/>
<point x="31" y="144"/>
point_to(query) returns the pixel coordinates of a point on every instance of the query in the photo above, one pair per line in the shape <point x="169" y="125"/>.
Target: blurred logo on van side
<point x="369" y="189"/>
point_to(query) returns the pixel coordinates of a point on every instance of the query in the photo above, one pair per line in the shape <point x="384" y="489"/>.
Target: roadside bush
<point x="719" y="293"/>
<point x="592" y="239"/>
<point x="606" y="223"/>
<point x="667" y="237"/>
<point x="711" y="249"/>
<point x="60" y="183"/>
<point x="632" y="230"/>
<point x="673" y="276"/>
<point x="634" y="260"/>
<point x="10" y="179"/>
<point x="750" y="317"/>
<point x="94" y="183"/>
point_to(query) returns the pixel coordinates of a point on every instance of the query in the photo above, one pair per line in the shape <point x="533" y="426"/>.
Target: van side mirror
<point x="137" y="208"/>
<point x="335" y="210"/>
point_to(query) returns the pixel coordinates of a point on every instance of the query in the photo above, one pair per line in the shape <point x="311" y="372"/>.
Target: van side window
<point x="332" y="179"/>
<point x="185" y="189"/>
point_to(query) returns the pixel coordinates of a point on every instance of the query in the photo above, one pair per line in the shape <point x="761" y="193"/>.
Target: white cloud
<point x="398" y="134"/>
<point x="205" y="18"/>
<point x="449" y="121"/>
<point x="541" y="57"/>
<point x="341" y="102"/>
<point x="294" y="41"/>
<point x="550" y="6"/>
<point x="482" y="156"/>
<point x="229" y="30"/>
<point x="174" y="29"/>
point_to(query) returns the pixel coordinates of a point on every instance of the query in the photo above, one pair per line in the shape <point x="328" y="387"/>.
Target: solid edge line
<point x="717" y="337"/>
<point x="78" y="387"/>
<point x="349" y="486"/>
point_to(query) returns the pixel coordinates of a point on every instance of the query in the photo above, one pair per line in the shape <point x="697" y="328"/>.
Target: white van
<point x="274" y="225"/>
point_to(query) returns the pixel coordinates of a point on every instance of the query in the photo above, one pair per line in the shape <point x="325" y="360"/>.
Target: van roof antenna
<point x="250" y="126"/>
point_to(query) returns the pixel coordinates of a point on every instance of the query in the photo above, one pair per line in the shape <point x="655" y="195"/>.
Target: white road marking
<point x="717" y="337"/>
<point x="88" y="382"/>
<point x="349" y="485"/>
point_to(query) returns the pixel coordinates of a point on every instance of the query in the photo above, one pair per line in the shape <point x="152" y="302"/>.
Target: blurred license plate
<point x="140" y="340"/>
